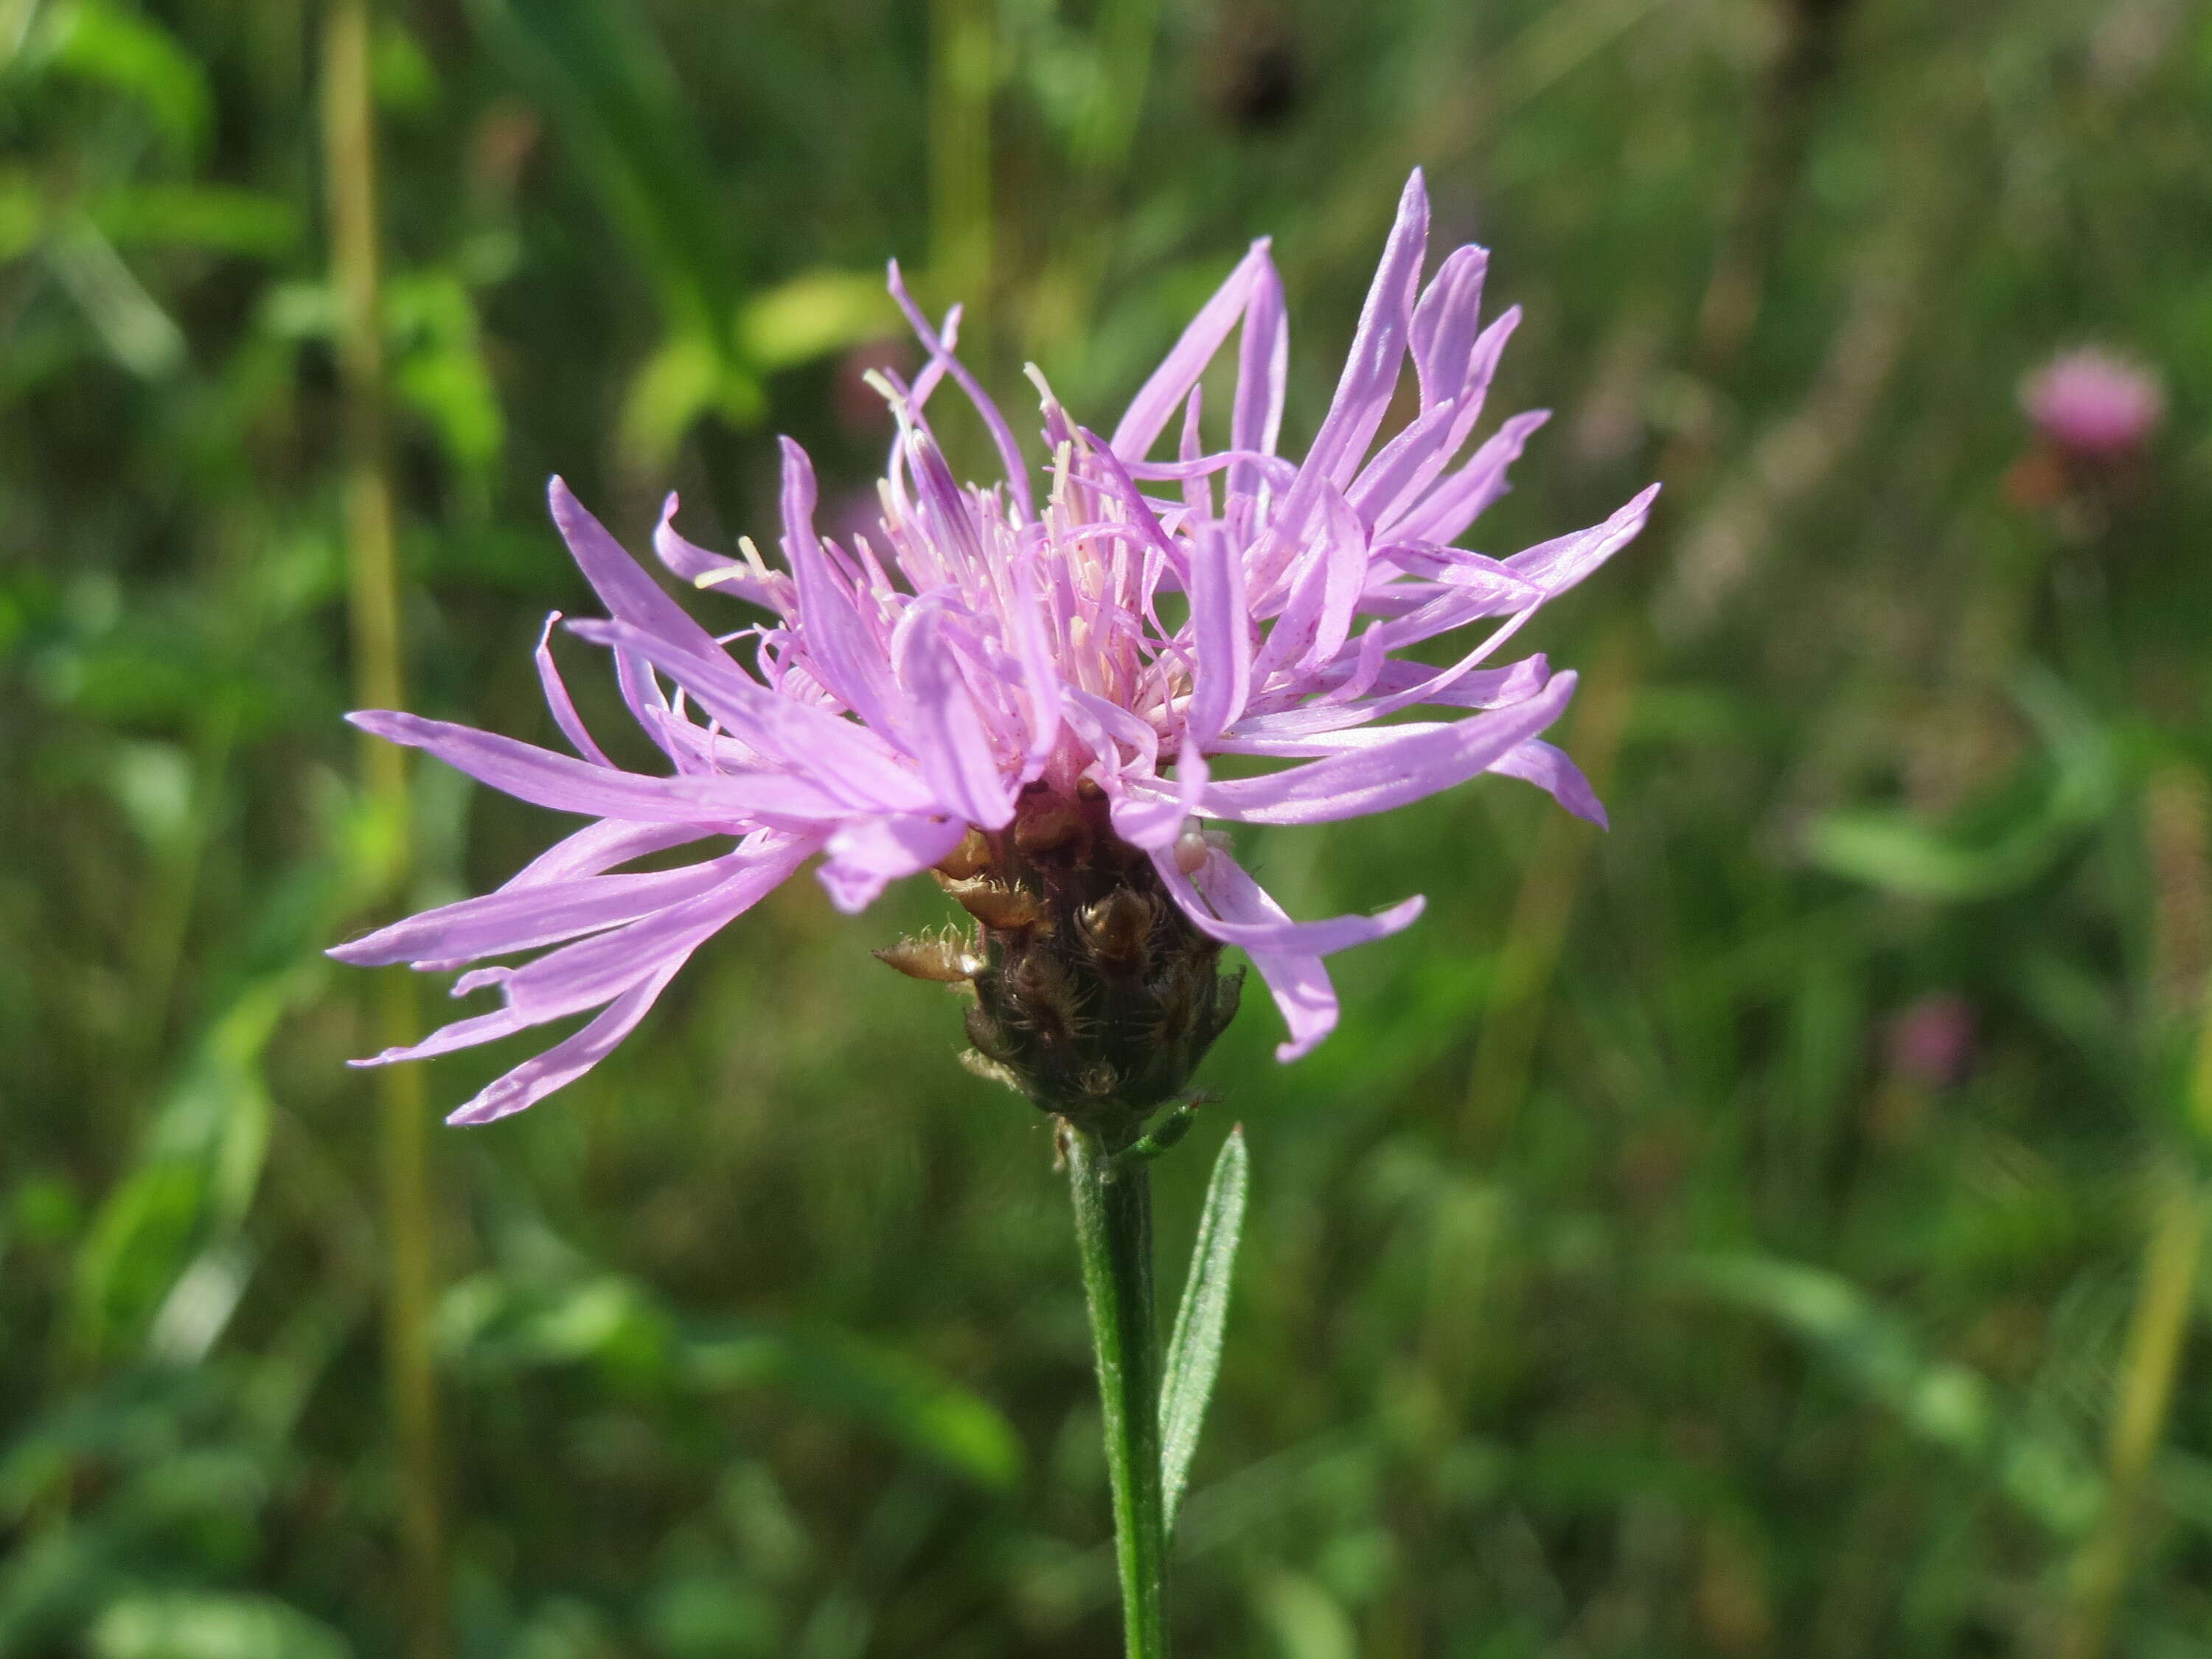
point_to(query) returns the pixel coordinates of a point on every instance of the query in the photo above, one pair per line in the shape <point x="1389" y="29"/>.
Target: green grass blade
<point x="1194" y="1349"/>
<point x="602" y="75"/>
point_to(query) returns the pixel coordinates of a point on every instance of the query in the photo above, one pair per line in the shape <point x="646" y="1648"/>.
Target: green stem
<point x="2156" y="1339"/>
<point x="1113" y="1235"/>
<point x="356" y="269"/>
<point x="963" y="48"/>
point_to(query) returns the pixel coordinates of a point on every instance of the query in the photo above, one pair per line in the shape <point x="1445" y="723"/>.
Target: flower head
<point x="2093" y="404"/>
<point x="1026" y="694"/>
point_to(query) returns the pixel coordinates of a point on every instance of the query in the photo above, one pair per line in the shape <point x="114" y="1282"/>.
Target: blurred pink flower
<point x="2092" y="403"/>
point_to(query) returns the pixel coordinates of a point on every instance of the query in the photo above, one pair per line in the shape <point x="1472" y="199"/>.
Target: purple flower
<point x="990" y="676"/>
<point x="2092" y="404"/>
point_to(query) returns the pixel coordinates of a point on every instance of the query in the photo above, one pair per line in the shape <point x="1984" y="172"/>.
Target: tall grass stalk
<point x="2155" y="1337"/>
<point x="350" y="183"/>
<point x="963" y="69"/>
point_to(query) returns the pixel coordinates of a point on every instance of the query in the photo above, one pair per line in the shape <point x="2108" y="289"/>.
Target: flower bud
<point x="1095" y="996"/>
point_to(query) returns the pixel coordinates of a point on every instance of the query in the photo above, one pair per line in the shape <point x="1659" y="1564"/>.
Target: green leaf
<point x="600" y="74"/>
<point x="2027" y="831"/>
<point x="685" y="378"/>
<point x="911" y="1402"/>
<point x="1308" y="1622"/>
<point x="187" y="1625"/>
<point x="216" y="218"/>
<point x="1942" y="1402"/>
<point x="133" y="54"/>
<point x="1194" y="1349"/>
<point x="159" y="1250"/>
<point x="131" y="322"/>
<point x="440" y="369"/>
<point x="135" y="1249"/>
<point x="23" y="215"/>
<point x="812" y="314"/>
<point x="496" y="1324"/>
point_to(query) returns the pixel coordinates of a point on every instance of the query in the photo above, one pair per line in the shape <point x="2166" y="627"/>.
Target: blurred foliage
<point x="1727" y="1325"/>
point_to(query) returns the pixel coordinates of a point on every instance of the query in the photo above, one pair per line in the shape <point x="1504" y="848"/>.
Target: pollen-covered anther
<point x="947" y="960"/>
<point x="1001" y="909"/>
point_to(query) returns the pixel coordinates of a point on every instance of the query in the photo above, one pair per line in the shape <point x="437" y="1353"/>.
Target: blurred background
<point x="1771" y="1228"/>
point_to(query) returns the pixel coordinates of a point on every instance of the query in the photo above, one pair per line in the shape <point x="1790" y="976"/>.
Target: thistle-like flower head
<point x="1025" y="689"/>
<point x="2094" y="404"/>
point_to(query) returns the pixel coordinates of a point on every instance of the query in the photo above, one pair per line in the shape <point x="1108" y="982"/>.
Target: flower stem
<point x="1114" y="1235"/>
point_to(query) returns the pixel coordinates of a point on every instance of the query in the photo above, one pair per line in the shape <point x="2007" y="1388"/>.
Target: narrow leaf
<point x="1194" y="1349"/>
<point x="603" y="77"/>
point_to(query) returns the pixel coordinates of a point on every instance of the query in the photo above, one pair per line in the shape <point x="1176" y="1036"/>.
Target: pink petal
<point x="597" y="970"/>
<point x="940" y="353"/>
<point x="460" y="1033"/>
<point x="867" y="855"/>
<point x="845" y="656"/>
<point x="1275" y="932"/>
<point x="835" y="762"/>
<point x="601" y="847"/>
<point x="620" y="581"/>
<point x="1150" y="812"/>
<point x="1391" y="773"/>
<point x="569" y="1058"/>
<point x="1461" y="686"/>
<point x="1170" y="383"/>
<point x="1482" y="368"/>
<point x="545" y="778"/>
<point x="1263" y="359"/>
<point x="771" y="590"/>
<point x="1325" y="583"/>
<point x="1378" y="346"/>
<point x="1550" y="770"/>
<point x="1453" y="505"/>
<point x="521" y="919"/>
<point x="1221" y="631"/>
<point x="557" y="698"/>
<point x="1287" y="954"/>
<point x="949" y="742"/>
<point x="1445" y="322"/>
<point x="1558" y="564"/>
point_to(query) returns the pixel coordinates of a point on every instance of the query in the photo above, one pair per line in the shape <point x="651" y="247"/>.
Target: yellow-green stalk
<point x="962" y="53"/>
<point x="2159" y="1330"/>
<point x="350" y="162"/>
<point x="2155" y="1336"/>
